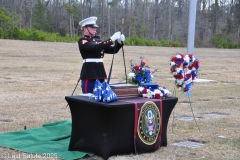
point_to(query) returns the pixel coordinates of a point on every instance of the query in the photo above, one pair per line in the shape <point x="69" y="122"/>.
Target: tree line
<point x="217" y="21"/>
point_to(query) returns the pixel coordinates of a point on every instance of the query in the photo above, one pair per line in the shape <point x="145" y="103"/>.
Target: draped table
<point x="108" y="129"/>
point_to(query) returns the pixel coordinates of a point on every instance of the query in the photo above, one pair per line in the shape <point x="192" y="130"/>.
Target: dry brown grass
<point x="36" y="76"/>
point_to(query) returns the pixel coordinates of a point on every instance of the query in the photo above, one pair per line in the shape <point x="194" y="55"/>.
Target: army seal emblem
<point x="149" y="122"/>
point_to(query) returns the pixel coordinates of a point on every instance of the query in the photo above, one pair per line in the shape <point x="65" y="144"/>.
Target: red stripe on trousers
<point x="86" y="86"/>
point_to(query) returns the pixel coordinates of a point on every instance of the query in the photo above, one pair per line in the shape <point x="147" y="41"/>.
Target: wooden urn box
<point x="124" y="90"/>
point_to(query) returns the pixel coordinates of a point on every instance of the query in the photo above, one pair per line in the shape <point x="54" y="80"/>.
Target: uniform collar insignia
<point x="90" y="37"/>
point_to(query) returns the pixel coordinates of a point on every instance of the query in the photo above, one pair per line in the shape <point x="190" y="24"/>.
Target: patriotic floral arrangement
<point x="140" y="73"/>
<point x="159" y="92"/>
<point x="184" y="70"/>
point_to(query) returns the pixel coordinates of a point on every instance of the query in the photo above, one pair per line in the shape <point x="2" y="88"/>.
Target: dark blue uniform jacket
<point x="94" y="48"/>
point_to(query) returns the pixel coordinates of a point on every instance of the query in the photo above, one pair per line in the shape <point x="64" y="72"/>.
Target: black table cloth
<point x="107" y="129"/>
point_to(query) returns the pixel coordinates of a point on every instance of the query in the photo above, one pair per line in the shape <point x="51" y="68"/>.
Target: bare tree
<point x="169" y="37"/>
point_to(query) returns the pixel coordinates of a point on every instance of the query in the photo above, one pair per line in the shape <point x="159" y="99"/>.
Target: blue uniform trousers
<point x="88" y="85"/>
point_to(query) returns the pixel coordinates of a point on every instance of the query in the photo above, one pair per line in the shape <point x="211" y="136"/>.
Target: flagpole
<point x="191" y="26"/>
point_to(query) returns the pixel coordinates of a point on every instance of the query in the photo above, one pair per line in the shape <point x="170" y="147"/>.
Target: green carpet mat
<point x="52" y="138"/>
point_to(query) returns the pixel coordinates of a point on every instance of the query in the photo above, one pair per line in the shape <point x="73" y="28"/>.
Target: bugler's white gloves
<point x="121" y="39"/>
<point x="115" y="36"/>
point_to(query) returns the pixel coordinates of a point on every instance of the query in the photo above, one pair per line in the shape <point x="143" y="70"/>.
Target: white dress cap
<point x="91" y="21"/>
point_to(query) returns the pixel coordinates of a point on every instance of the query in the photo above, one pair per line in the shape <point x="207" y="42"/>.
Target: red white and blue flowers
<point x="140" y="73"/>
<point x="184" y="70"/>
<point x="158" y="93"/>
